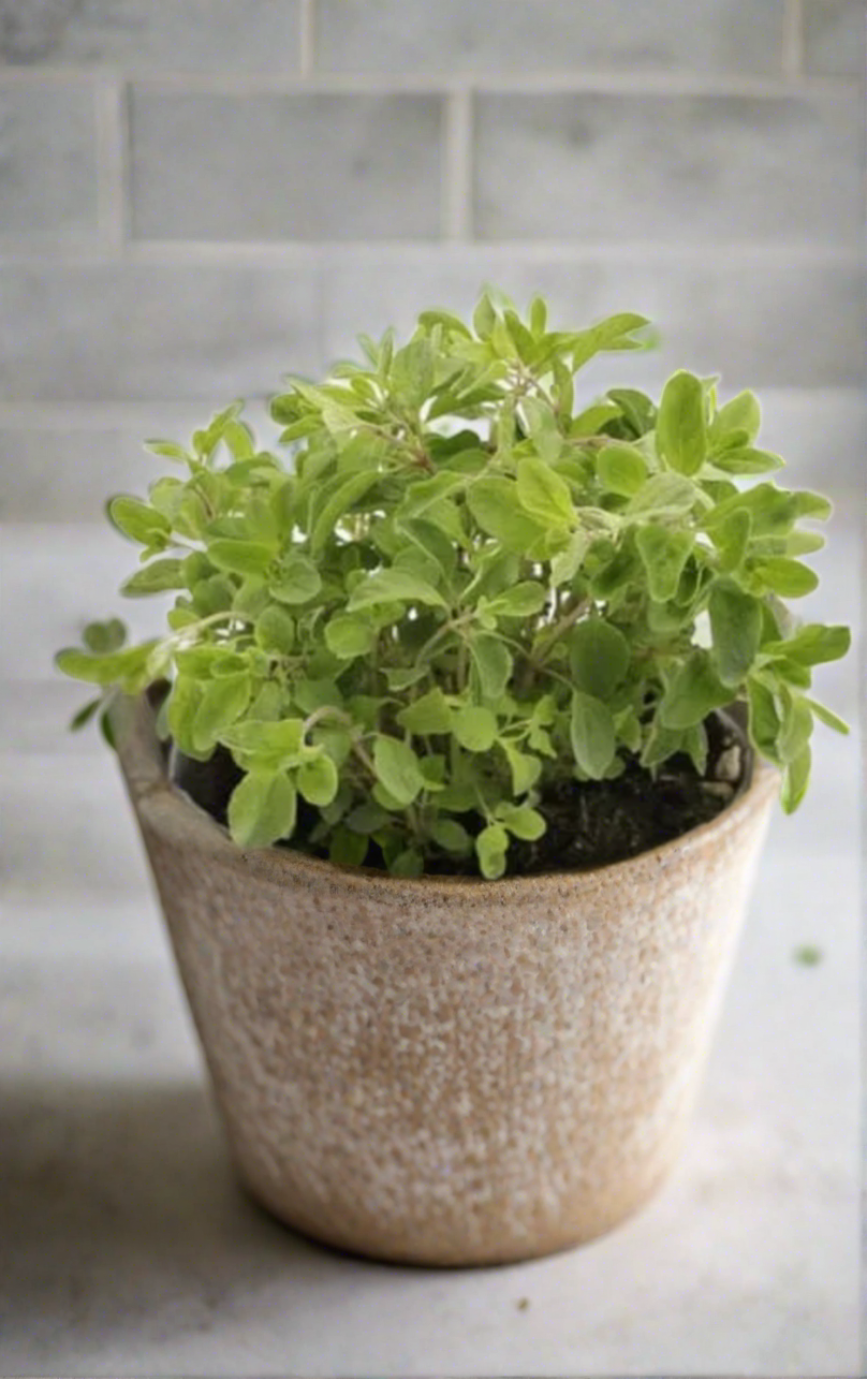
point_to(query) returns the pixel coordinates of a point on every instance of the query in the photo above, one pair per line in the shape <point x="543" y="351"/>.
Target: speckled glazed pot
<point x="443" y="1071"/>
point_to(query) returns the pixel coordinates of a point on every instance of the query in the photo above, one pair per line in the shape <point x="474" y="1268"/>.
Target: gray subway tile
<point x="63" y="475"/>
<point x="191" y="35"/>
<point x="298" y="167"/>
<point x="131" y="332"/>
<point x="48" y="172"/>
<point x="835" y="38"/>
<point x="543" y="35"/>
<point x="682" y="168"/>
<point x="757" y="323"/>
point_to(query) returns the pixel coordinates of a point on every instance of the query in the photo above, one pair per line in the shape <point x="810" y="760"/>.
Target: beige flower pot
<point x="441" y="1071"/>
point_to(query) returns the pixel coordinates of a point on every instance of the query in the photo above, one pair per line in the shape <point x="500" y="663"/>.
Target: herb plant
<point x="459" y="592"/>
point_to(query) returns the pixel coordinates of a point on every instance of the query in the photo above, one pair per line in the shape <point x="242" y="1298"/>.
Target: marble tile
<point x="395" y="36"/>
<point x="835" y="38"/>
<point x="678" y="168"/>
<point x="128" y="332"/>
<point x="300" y="167"/>
<point x="191" y="35"/>
<point x="48" y="164"/>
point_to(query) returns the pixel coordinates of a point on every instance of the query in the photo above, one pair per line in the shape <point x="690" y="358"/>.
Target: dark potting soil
<point x="590" y="823"/>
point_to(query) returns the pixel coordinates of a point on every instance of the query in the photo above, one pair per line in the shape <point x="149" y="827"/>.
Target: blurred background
<point x="197" y="196"/>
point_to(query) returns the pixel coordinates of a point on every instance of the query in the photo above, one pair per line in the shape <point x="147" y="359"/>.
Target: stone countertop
<point x="126" y="1247"/>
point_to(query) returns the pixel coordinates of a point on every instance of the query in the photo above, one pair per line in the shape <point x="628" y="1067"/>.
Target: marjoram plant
<point x="453" y="592"/>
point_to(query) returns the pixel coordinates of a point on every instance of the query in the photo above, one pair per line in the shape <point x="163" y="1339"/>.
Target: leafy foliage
<point x="459" y="592"/>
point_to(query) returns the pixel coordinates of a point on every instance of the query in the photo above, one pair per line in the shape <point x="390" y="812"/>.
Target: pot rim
<point x="174" y="814"/>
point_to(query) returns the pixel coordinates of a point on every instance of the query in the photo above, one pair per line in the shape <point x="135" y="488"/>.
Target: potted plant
<point x="453" y="768"/>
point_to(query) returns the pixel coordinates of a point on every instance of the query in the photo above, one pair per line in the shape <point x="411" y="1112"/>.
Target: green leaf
<point x="567" y="562"/>
<point x="275" y="630"/>
<point x="407" y="863"/>
<point x="830" y="719"/>
<point x="397" y="767"/>
<point x="275" y="745"/>
<point x="394" y="586"/>
<point x="543" y="429"/>
<point x="736" y="627"/>
<point x="484" y="317"/>
<point x="168" y="450"/>
<point x="543" y="494"/>
<point x="297" y="581"/>
<point x="155" y="578"/>
<point x="746" y="460"/>
<point x="347" y="849"/>
<point x="664" y="553"/>
<point x="222" y="703"/>
<point x="475" y="728"/>
<point x="425" y="494"/>
<point x="796" y="778"/>
<point x="138" y="520"/>
<point x="102" y="637"/>
<point x="680" y="426"/>
<point x="240" y="557"/>
<point x="812" y="644"/>
<point x="741" y="413"/>
<point x="622" y="469"/>
<point x="262" y="809"/>
<point x="318" y="780"/>
<point x="347" y="637"/>
<point x="664" y="495"/>
<point x="614" y="333"/>
<point x="525" y="769"/>
<point x="84" y="715"/>
<point x="731" y="539"/>
<point x="764" y="720"/>
<point x="695" y="691"/>
<point x="493" y="665"/>
<point x="427" y="715"/>
<point x="522" y="821"/>
<point x="495" y="505"/>
<point x="521" y="601"/>
<point x="338" y="504"/>
<point x="592" y="734"/>
<point x="491" y="847"/>
<point x="599" y="657"/>
<point x="636" y="408"/>
<point x="538" y="316"/>
<point x="787" y="577"/>
<point x="116" y="668"/>
<point x="451" y="836"/>
<point x="797" y="727"/>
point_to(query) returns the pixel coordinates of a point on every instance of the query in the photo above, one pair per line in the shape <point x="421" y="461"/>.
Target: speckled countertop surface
<point x="126" y="1248"/>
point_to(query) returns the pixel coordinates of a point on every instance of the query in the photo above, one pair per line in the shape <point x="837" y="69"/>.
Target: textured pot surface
<point x="447" y="1071"/>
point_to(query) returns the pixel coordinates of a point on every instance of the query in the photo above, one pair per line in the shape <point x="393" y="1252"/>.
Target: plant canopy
<point x="453" y="589"/>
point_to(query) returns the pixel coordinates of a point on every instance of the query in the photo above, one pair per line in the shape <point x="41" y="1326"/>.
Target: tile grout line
<point x="615" y="81"/>
<point x="793" y="39"/>
<point x="112" y="163"/>
<point x="457" y="172"/>
<point x="305" y="254"/>
<point x="306" y="37"/>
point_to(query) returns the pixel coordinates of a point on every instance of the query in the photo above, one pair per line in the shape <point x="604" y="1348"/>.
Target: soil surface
<point x="590" y="823"/>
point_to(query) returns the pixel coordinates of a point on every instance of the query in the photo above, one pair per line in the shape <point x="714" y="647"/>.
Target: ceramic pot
<point x="447" y="1071"/>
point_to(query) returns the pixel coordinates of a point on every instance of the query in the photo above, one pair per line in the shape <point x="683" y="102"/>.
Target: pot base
<point x="397" y="1248"/>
